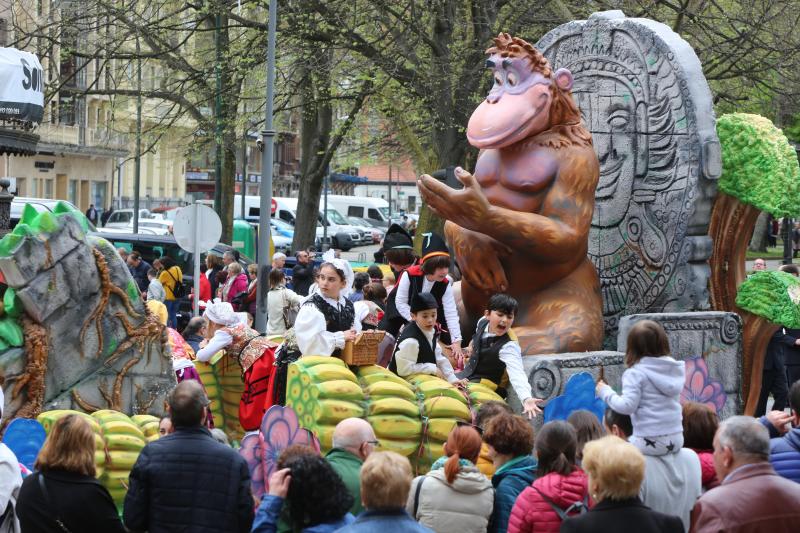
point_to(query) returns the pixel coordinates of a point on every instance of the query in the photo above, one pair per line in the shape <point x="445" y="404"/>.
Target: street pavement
<point x="362" y="254"/>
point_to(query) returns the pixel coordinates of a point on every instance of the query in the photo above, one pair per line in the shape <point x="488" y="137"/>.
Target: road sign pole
<point x="268" y="140"/>
<point x="197" y="252"/>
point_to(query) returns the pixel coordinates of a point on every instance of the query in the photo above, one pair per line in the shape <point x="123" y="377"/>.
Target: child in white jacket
<point x="651" y="389"/>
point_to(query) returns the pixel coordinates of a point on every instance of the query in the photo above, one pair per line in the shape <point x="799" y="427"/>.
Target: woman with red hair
<point x="454" y="496"/>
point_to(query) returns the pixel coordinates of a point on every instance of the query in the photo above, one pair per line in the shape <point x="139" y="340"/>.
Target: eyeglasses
<point x="461" y="424"/>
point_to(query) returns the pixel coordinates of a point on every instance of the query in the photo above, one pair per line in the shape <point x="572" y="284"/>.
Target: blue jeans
<point x="172" y="312"/>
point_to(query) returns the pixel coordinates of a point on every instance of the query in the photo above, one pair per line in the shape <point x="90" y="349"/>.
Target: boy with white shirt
<point x="417" y="350"/>
<point x="495" y="351"/>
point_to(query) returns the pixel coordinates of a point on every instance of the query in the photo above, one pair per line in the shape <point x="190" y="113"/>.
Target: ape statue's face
<point x="517" y="106"/>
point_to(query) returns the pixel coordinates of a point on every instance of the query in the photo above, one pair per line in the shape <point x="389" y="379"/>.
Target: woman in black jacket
<point x="616" y="471"/>
<point x="63" y="494"/>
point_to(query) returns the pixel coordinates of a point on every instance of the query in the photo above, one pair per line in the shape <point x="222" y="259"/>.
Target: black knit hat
<point x="397" y="238"/>
<point x="432" y="246"/>
<point x="422" y="301"/>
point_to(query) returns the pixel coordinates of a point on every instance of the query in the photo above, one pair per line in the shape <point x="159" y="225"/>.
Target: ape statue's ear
<point x="564" y="79"/>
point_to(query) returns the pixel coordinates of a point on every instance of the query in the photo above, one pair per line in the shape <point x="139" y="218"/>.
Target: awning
<point x="17" y="142"/>
<point x="347" y="178"/>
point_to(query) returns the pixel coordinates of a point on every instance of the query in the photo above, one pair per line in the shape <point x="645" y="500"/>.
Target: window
<point x="48" y="189"/>
<point x="355" y="211"/>
<point x="254" y="212"/>
<point x="73" y="192"/>
<point x="374" y="214"/>
<point x="287" y="216"/>
<point x="412" y="203"/>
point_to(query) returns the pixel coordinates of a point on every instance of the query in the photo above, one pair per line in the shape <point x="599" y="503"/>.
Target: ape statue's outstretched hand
<point x="466" y="207"/>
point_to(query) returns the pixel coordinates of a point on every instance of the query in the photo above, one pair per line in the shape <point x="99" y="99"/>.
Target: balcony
<point x="92" y="140"/>
<point x="106" y="138"/>
<point x="59" y="134"/>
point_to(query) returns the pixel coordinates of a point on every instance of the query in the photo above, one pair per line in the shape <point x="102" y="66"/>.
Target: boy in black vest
<point x="495" y="351"/>
<point x="417" y="350"/>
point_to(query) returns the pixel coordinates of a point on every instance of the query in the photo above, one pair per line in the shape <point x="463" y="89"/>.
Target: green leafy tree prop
<point x="760" y="172"/>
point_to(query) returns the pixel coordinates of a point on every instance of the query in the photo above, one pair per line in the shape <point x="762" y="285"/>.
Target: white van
<point x="373" y="210"/>
<point x="286" y="209"/>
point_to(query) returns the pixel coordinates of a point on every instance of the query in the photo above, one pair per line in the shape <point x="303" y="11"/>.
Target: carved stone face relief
<point x="640" y="92"/>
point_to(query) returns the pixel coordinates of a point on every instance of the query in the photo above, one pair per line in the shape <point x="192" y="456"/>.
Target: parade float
<point x="594" y="202"/>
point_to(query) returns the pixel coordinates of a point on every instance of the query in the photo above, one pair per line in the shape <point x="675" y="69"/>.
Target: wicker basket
<point x="364" y="350"/>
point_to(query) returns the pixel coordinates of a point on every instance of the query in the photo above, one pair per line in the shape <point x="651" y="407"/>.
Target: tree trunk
<point x="228" y="184"/>
<point x="451" y="152"/>
<point x="315" y="134"/>
<point x="759" y="241"/>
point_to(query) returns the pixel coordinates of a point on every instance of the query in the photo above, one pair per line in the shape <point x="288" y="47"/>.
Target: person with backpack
<point x="171" y="278"/>
<point x="454" y="497"/>
<point x="282" y="304"/>
<point x="616" y="471"/>
<point x="561" y="489"/>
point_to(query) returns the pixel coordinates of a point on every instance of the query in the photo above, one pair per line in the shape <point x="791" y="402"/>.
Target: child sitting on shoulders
<point x="494" y="350"/>
<point x="651" y="389"/>
<point x="417" y="350"/>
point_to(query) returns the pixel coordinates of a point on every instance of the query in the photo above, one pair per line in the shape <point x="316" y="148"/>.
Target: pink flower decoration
<point x="279" y="430"/>
<point x="700" y="388"/>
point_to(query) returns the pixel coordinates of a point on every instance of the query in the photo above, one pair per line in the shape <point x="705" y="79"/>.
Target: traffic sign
<point x="197" y="229"/>
<point x="199" y="223"/>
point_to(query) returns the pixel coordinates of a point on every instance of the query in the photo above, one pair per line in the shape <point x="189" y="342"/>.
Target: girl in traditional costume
<point x="325" y="321"/>
<point x="254" y="352"/>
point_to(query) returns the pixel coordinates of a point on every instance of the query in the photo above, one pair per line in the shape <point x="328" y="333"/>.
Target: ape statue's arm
<point x="558" y="232"/>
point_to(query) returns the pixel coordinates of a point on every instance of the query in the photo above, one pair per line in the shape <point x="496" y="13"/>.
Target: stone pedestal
<point x="716" y="336"/>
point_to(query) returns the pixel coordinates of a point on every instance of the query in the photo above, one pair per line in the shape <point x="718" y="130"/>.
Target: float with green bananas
<point x="412" y="416"/>
<point x="118" y="438"/>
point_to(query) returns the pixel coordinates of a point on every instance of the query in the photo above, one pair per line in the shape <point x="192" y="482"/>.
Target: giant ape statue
<point x="521" y="223"/>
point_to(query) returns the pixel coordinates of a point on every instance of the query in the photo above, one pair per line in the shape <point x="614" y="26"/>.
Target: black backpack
<point x="178" y="290"/>
<point x="576" y="508"/>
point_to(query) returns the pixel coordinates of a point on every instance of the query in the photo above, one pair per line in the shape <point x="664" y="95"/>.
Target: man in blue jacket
<point x="187" y="481"/>
<point x="784" y="452"/>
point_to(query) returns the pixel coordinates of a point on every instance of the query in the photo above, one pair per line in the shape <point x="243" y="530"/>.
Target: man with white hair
<point x="10" y="482"/>
<point x="278" y="260"/>
<point x="353" y="441"/>
<point x="751" y="497"/>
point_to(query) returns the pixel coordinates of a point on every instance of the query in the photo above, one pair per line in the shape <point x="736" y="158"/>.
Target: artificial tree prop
<point x="767" y="301"/>
<point x="760" y="172"/>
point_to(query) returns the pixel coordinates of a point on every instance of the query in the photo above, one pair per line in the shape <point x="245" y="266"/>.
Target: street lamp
<point x="265" y="211"/>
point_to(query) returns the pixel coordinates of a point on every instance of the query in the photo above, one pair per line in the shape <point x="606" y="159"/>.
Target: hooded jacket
<point x="784" y="455"/>
<point x="509" y="481"/>
<point x="532" y="514"/>
<point x="463" y="507"/>
<point x="651" y="396"/>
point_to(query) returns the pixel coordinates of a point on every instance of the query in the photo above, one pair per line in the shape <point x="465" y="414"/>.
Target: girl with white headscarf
<point x="325" y="321"/>
<point x="254" y="352"/>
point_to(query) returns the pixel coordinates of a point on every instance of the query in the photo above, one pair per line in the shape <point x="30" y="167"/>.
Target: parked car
<point x="40" y="204"/>
<point x="281" y="227"/>
<point x="121" y="218"/>
<point x="154" y="225"/>
<point x="343" y="237"/>
<point x="374" y="210"/>
<point x="365" y="226"/>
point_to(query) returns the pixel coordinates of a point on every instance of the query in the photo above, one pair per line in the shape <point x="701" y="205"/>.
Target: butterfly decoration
<point x="25" y="437"/>
<point x="579" y="394"/>
<point x="701" y="388"/>
<point x="261" y="449"/>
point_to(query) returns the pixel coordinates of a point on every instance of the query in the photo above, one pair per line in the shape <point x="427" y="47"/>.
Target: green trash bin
<point x="244" y="238"/>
